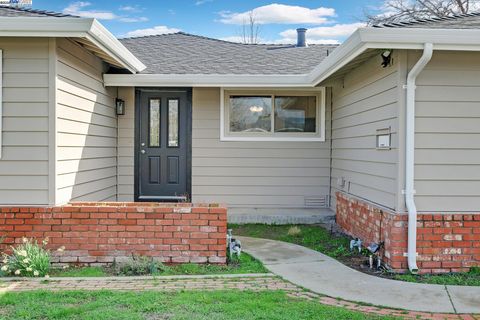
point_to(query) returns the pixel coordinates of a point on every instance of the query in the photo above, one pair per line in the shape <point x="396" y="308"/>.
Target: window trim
<point x="319" y="136"/>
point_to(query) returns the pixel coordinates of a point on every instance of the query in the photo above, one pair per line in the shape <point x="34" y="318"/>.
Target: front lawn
<point x="246" y="264"/>
<point x="172" y="305"/>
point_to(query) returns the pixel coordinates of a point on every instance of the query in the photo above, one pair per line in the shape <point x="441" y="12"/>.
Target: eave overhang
<point x="360" y="41"/>
<point x="89" y="31"/>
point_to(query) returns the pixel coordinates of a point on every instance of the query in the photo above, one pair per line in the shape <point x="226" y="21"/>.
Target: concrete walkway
<point x="324" y="275"/>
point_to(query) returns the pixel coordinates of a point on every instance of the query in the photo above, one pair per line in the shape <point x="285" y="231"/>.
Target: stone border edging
<point x="128" y="278"/>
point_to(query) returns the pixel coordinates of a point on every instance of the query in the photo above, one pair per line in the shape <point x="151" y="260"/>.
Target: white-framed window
<point x="272" y="115"/>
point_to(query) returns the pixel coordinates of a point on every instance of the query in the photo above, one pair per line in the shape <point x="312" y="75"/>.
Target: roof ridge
<point x="421" y="21"/>
<point x="276" y="45"/>
<point x="239" y="43"/>
<point x="38" y="11"/>
<point x="185" y="34"/>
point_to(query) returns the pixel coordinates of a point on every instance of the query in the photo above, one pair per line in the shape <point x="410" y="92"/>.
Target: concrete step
<point x="281" y="215"/>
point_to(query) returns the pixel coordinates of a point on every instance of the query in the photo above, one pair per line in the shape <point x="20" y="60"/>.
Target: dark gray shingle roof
<point x="25" y="12"/>
<point x="181" y="53"/>
<point x="460" y="21"/>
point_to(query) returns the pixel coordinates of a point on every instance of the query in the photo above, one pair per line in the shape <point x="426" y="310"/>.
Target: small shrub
<point x="475" y="271"/>
<point x="139" y="266"/>
<point x="340" y="251"/>
<point x="28" y="259"/>
<point x="294" y="231"/>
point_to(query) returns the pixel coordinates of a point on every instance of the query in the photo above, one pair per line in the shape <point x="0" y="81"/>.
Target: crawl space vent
<point x="316" y="202"/>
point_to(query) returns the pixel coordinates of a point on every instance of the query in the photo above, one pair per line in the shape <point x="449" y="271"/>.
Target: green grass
<point x="80" y="272"/>
<point x="310" y="236"/>
<point x="246" y="264"/>
<point x="172" y="305"/>
<point x="471" y="278"/>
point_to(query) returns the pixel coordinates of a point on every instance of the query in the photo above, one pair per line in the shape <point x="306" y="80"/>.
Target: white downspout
<point x="410" y="156"/>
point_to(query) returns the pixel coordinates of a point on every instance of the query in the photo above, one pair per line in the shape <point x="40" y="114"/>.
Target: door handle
<point x="142" y="151"/>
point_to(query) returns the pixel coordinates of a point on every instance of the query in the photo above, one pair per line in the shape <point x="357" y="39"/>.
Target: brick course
<point x="100" y="233"/>
<point x="445" y="242"/>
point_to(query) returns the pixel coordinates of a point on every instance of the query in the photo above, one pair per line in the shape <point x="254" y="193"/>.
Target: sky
<point x="328" y="21"/>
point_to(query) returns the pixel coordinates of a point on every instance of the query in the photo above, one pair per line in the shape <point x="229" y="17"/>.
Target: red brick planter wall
<point x="445" y="242"/>
<point x="100" y="233"/>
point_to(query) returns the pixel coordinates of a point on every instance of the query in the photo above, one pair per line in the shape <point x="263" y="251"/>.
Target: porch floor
<point x="281" y="215"/>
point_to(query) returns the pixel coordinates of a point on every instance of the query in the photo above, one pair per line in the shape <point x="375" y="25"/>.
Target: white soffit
<point x="82" y="28"/>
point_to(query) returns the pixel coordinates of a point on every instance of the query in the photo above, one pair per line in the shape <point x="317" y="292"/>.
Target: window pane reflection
<point x="250" y="114"/>
<point x="173" y="123"/>
<point x="295" y="114"/>
<point x="154" y="116"/>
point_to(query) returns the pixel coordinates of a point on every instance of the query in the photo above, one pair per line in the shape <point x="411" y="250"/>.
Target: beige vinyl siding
<point x="252" y="174"/>
<point x="86" y="127"/>
<point x="365" y="100"/>
<point x="447" y="153"/>
<point x="24" y="165"/>
<point x="126" y="146"/>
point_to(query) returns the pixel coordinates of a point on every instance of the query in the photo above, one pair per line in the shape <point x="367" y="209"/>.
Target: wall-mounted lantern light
<point x="120" y="105"/>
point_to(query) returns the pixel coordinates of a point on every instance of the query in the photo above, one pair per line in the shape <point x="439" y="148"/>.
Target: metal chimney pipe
<point x="301" y="37"/>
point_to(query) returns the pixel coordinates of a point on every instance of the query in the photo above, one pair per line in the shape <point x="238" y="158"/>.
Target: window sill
<point x="272" y="139"/>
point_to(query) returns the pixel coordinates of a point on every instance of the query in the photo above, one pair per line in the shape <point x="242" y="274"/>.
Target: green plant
<point x="139" y="266"/>
<point x="340" y="251"/>
<point x="237" y="265"/>
<point x="29" y="259"/>
<point x="475" y="271"/>
<point x="365" y="252"/>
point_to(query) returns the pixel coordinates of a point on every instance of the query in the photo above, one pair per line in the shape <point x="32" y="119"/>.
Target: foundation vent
<point x="316" y="202"/>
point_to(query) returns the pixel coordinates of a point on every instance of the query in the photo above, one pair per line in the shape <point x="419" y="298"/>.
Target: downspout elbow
<point x="410" y="155"/>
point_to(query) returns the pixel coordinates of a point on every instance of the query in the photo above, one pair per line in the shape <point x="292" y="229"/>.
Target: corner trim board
<point x="52" y="122"/>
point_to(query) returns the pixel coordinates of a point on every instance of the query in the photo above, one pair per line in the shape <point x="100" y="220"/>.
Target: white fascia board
<point x="415" y="36"/>
<point x="44" y="27"/>
<point x="394" y="38"/>
<point x="340" y="57"/>
<point x="73" y="28"/>
<point x="109" y="43"/>
<point x="204" y="80"/>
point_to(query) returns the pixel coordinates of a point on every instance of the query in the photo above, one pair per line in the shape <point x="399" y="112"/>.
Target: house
<point x="382" y="129"/>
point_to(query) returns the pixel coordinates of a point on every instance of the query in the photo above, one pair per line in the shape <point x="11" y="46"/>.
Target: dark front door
<point x="163" y="145"/>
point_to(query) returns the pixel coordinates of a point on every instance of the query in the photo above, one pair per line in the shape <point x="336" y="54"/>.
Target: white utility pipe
<point x="410" y="156"/>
